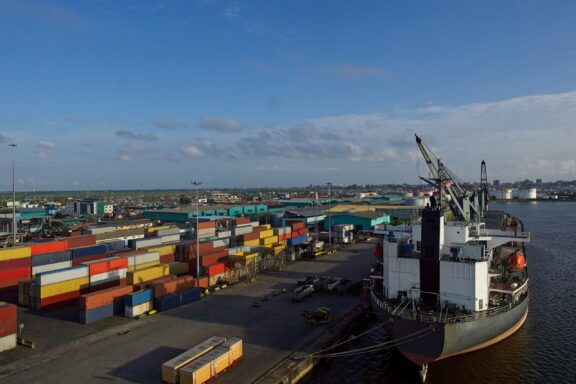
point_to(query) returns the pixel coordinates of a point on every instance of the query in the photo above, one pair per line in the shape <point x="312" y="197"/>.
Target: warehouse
<point x="362" y="221"/>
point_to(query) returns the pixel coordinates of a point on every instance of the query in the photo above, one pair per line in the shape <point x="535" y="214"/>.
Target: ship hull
<point x="423" y="342"/>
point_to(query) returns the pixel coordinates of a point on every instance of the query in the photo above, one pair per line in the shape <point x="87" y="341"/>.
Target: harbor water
<point x="542" y="351"/>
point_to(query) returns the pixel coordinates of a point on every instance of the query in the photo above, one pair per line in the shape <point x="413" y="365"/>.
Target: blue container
<point x="119" y="303"/>
<point x="139" y="297"/>
<point x="92" y="250"/>
<point x="297" y="240"/>
<point x="51" y="258"/>
<point x="112" y="245"/>
<point x="95" y="314"/>
<point x="167" y="302"/>
<point x="190" y="295"/>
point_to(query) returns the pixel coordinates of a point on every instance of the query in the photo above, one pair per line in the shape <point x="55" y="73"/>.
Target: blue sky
<point x="104" y="94"/>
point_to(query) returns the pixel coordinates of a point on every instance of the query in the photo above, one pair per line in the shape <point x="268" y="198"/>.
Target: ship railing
<point x="409" y="315"/>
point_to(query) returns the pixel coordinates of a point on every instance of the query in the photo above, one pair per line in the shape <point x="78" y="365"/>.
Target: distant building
<point x="496" y="183"/>
<point x="538" y="181"/>
<point x="91" y="207"/>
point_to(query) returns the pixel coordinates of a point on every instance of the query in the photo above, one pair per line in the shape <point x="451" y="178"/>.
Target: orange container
<point x="103" y="297"/>
<point x="107" y="265"/>
<point x="48" y="247"/>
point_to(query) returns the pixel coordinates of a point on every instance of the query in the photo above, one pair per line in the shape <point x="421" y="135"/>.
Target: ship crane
<point x="465" y="206"/>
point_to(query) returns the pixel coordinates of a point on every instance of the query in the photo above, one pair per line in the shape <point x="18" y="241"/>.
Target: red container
<point x="109" y="284"/>
<point x="81" y="241"/>
<point x="250" y="236"/>
<point x="167" y="287"/>
<point x="104" y="296"/>
<point x="81" y="260"/>
<point x="7" y="319"/>
<point x="243" y="220"/>
<point x="215" y="269"/>
<point x="207" y="225"/>
<point x="304" y="231"/>
<point x="296" y="224"/>
<point x="10" y="283"/>
<point x="167" y="259"/>
<point x="15" y="263"/>
<point x="203" y="282"/>
<point x="58" y="300"/>
<point x="106" y="265"/>
<point x="15" y="273"/>
<point x="48" y="247"/>
<point x="149" y="283"/>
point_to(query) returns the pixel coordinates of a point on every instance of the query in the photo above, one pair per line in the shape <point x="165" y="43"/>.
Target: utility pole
<point x="13" y="146"/>
<point x="329" y="218"/>
<point x="197" y="184"/>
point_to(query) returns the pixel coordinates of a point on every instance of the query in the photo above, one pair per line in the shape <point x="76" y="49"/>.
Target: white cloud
<point x="220" y="124"/>
<point x="46" y="144"/>
<point x="524" y="137"/>
<point x="40" y="155"/>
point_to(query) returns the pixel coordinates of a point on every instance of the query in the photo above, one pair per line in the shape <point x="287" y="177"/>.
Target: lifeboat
<point x="516" y="261"/>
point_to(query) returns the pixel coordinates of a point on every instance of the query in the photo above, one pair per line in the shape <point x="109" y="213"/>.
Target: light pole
<point x="197" y="184"/>
<point x="13" y="146"/>
<point x="329" y="218"/>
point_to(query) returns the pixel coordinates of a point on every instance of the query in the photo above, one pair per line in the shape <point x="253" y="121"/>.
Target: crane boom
<point x="464" y="205"/>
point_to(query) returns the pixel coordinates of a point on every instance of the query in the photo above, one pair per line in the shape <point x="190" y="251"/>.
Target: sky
<point x="126" y="94"/>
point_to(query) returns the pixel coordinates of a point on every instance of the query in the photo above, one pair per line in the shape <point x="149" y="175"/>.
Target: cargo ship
<point x="456" y="279"/>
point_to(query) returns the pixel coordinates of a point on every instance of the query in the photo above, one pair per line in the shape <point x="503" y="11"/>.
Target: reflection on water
<point x="542" y="351"/>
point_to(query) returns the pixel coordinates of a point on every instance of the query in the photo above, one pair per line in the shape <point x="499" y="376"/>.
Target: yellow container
<point x="197" y="372"/>
<point x="163" y="250"/>
<point x="62" y="287"/>
<point x="146" y="274"/>
<point x="171" y="368"/>
<point x="269" y="240"/>
<point x="222" y="360"/>
<point x="178" y="268"/>
<point x="144" y="266"/>
<point x="151" y="230"/>
<point x="252" y="243"/>
<point x="235" y="347"/>
<point x="268" y="226"/>
<point x="15" y="253"/>
<point x="266" y="233"/>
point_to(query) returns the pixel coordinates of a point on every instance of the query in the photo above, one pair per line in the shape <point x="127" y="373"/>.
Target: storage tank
<point x="503" y="194"/>
<point x="527" y="193"/>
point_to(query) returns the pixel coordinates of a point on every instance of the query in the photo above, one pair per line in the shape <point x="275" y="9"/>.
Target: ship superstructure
<point x="455" y="281"/>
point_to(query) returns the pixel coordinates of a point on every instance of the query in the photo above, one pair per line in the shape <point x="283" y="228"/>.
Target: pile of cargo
<point x="59" y="287"/>
<point x="8" y="326"/>
<point x="99" y="305"/>
<point x="204" y="362"/>
<point x="14" y="266"/>
<point x="299" y="233"/>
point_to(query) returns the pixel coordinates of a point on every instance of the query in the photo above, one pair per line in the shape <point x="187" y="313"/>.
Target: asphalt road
<point x="132" y="351"/>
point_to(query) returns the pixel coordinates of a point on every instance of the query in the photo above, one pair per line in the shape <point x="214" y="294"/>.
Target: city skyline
<point x="152" y="94"/>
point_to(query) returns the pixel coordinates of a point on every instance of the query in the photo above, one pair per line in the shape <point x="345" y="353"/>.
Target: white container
<point x="51" y="267"/>
<point x="145" y="258"/>
<point x="7" y="342"/>
<point x="137" y="310"/>
<point x="170" y="238"/>
<point x="224" y="234"/>
<point x="243" y="230"/>
<point x="147" y="242"/>
<point x="106" y="277"/>
<point x="221" y="243"/>
<point x="60" y="275"/>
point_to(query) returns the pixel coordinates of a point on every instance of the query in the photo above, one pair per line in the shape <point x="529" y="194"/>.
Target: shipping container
<point x="7" y="342"/>
<point x="170" y="369"/>
<point x="51" y="267"/>
<point x="136" y="298"/>
<point x="88" y="316"/>
<point x="61" y="275"/>
<point x="51" y="258"/>
<point x="62" y="287"/>
<point x="177" y="268"/>
<point x="80" y="241"/>
<point x="108" y="264"/>
<point x="104" y="297"/>
<point x="8" y="321"/>
<point x="138" y="310"/>
<point x="107" y="277"/>
<point x="15" y="253"/>
<point x="48" y="247"/>
<point x="141" y="275"/>
<point x="89" y="251"/>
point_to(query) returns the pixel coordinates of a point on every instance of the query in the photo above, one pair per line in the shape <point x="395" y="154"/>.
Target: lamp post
<point x="197" y="184"/>
<point x="329" y="218"/>
<point x="13" y="146"/>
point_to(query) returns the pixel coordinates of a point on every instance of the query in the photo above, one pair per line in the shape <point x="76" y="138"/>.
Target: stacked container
<point x="102" y="304"/>
<point x="145" y="274"/>
<point x="107" y="272"/>
<point x="51" y="261"/>
<point x="60" y="286"/>
<point x="8" y="326"/>
<point x="212" y="364"/>
<point x="89" y="253"/>
<point x="14" y="266"/>
<point x="138" y="303"/>
<point x="171" y="368"/>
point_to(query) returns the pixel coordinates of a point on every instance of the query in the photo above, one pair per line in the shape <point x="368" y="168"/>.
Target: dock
<point x="132" y="351"/>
